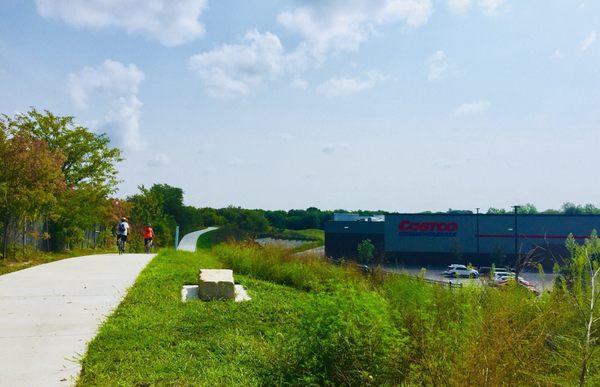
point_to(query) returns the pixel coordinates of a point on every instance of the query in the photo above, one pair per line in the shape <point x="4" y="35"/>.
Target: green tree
<point x="569" y="208"/>
<point x="527" y="209"/>
<point x="89" y="168"/>
<point x="30" y="177"/>
<point x="88" y="157"/>
<point x="148" y="208"/>
<point x="493" y="210"/>
<point x="366" y="251"/>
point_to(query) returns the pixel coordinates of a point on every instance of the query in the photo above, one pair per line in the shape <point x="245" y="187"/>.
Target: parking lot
<point x="541" y="282"/>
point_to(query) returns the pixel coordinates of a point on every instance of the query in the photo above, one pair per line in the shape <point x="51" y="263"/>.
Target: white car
<point x="502" y="274"/>
<point x="505" y="278"/>
<point x="456" y="270"/>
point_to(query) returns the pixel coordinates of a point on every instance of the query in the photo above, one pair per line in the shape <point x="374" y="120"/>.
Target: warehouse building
<point x="442" y="239"/>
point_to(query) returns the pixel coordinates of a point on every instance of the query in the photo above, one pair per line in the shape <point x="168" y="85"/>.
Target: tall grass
<point x="281" y="266"/>
<point x="394" y="329"/>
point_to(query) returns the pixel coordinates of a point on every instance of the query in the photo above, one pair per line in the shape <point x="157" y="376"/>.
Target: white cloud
<point x="474" y="107"/>
<point x="299" y="83"/>
<point x="170" y="22"/>
<point x="231" y="70"/>
<point x="343" y="25"/>
<point x="491" y="6"/>
<point x="337" y="87"/>
<point x="464" y="6"/>
<point x="440" y="67"/>
<point x="113" y="87"/>
<point x="159" y="160"/>
<point x="460" y="6"/>
<point x="589" y="41"/>
<point x="111" y="77"/>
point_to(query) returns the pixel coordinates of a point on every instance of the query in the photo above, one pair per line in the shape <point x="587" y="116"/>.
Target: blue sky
<point x="403" y="105"/>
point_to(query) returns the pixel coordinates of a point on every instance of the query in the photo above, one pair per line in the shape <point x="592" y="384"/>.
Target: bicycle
<point x="148" y="246"/>
<point x="121" y="246"/>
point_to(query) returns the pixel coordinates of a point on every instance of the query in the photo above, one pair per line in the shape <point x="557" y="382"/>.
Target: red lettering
<point x="403" y="226"/>
<point x="407" y="225"/>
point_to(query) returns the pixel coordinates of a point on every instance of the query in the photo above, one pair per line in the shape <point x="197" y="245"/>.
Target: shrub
<point x="437" y="320"/>
<point x="343" y="338"/>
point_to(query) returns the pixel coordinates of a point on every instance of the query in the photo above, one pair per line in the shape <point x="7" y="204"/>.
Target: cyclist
<point x="122" y="231"/>
<point x="148" y="236"/>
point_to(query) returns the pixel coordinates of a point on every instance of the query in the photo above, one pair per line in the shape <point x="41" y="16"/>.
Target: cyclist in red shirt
<point x="148" y="236"/>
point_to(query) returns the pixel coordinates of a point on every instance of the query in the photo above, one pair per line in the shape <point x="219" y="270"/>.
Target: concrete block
<point x="189" y="292"/>
<point x="240" y="294"/>
<point x="216" y="284"/>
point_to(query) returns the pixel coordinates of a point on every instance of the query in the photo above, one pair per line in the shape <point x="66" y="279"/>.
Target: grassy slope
<point x="317" y="238"/>
<point x="154" y="338"/>
<point x="340" y="328"/>
<point x="308" y="234"/>
<point x="205" y="241"/>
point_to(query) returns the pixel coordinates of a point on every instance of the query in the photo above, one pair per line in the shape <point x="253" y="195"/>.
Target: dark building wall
<point x="483" y="234"/>
<point x="346" y="245"/>
<point x="342" y="238"/>
<point x="432" y="239"/>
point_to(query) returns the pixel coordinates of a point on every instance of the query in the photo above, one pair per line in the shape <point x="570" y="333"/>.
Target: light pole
<point x="477" y="222"/>
<point x="516" y="229"/>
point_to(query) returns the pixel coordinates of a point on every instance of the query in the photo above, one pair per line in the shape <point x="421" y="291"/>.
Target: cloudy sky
<point x="403" y="105"/>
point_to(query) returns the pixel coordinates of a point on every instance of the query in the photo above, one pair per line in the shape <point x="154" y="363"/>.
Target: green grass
<point x="153" y="338"/>
<point x="313" y="323"/>
<point x="313" y="237"/>
<point x="206" y="240"/>
<point x="311" y="234"/>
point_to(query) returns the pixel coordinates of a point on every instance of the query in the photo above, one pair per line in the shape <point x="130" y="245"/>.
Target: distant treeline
<point x="163" y="206"/>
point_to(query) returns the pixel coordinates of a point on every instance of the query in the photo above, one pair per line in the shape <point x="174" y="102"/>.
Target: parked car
<point x="503" y="280"/>
<point x="502" y="272"/>
<point x="456" y="270"/>
<point x="506" y="278"/>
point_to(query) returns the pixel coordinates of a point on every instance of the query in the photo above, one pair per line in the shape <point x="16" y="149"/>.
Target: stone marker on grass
<point x="216" y="284"/>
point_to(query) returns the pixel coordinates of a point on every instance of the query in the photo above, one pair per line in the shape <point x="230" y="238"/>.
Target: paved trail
<point x="188" y="242"/>
<point x="50" y="312"/>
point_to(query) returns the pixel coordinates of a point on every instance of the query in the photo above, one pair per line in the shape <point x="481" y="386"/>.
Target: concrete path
<point x="50" y="312"/>
<point x="188" y="242"/>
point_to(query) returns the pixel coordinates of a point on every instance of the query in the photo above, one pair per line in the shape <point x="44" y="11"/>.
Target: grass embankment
<point x="314" y="323"/>
<point x="10" y="265"/>
<point x="313" y="237"/>
<point x="311" y="234"/>
<point x="153" y="338"/>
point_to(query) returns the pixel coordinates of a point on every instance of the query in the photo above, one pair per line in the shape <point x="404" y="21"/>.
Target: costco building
<point x="442" y="239"/>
